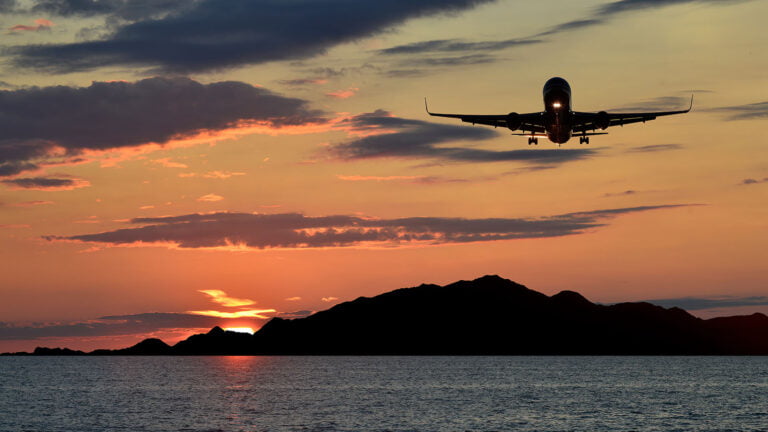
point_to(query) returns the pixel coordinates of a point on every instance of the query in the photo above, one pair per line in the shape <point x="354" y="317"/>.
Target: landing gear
<point x="533" y="140"/>
<point x="583" y="140"/>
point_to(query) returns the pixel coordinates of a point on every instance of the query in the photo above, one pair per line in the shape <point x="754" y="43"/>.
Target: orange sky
<point x="145" y="194"/>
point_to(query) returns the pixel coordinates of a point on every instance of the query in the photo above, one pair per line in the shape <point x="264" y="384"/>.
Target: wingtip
<point x="426" y="107"/>
<point x="691" y="106"/>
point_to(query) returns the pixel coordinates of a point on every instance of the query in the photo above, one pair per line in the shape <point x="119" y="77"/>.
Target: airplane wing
<point x="584" y="121"/>
<point x="532" y="122"/>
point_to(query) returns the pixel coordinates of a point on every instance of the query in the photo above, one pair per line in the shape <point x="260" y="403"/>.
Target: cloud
<point x="754" y="111"/>
<point x="303" y="81"/>
<point x="46" y="183"/>
<point x="250" y="313"/>
<point x="30" y="203"/>
<point x="114" y="325"/>
<point x="343" y="94"/>
<point x="129" y="10"/>
<point x="625" y="193"/>
<point x="210" y="35"/>
<point x="40" y="25"/>
<point x="700" y="303"/>
<point x="41" y="125"/>
<point x="455" y="45"/>
<point x="293" y="299"/>
<point x="383" y="135"/>
<point x="469" y="59"/>
<point x="751" y="181"/>
<point x="608" y="11"/>
<point x="210" y="198"/>
<point x="295" y="314"/>
<point x="329" y="299"/>
<point x="654" y="148"/>
<point x="166" y="162"/>
<point x="239" y="231"/>
<point x="406" y="179"/>
<point x="223" y="299"/>
<point x="8" y="6"/>
<point x="660" y="103"/>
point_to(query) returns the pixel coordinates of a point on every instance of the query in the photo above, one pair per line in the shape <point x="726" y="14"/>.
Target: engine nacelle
<point x="513" y="121"/>
<point x="602" y="120"/>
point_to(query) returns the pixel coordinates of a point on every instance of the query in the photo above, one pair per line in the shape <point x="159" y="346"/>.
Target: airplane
<point x="557" y="122"/>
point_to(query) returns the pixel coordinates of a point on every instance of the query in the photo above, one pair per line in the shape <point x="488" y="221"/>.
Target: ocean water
<point x="383" y="394"/>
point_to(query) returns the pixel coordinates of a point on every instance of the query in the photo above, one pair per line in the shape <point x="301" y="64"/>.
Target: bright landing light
<point x="556" y="104"/>
<point x="240" y="329"/>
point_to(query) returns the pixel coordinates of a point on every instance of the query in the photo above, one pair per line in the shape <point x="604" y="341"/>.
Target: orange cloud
<point x="377" y="178"/>
<point x="223" y="299"/>
<point x="293" y="299"/>
<point x="166" y="162"/>
<point x="329" y="299"/>
<point x="252" y="313"/>
<point x="42" y="24"/>
<point x="343" y="94"/>
<point x="210" y="198"/>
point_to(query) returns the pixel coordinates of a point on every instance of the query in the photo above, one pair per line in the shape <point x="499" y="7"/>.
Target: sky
<point x="168" y="166"/>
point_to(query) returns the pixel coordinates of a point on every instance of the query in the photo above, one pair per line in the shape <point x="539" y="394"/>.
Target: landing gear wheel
<point x="536" y="141"/>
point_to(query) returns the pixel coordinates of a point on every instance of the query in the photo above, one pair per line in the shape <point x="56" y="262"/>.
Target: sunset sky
<point x="172" y="165"/>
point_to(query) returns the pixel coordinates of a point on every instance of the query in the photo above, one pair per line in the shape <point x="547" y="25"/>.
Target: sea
<point x="442" y="393"/>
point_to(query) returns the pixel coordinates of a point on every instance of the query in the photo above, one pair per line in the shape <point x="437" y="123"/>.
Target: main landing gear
<point x="583" y="140"/>
<point x="533" y="140"/>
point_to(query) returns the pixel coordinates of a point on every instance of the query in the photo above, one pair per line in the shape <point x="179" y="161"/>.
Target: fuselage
<point x="557" y="106"/>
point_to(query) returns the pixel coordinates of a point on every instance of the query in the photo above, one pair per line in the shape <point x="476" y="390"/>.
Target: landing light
<point x="556" y="105"/>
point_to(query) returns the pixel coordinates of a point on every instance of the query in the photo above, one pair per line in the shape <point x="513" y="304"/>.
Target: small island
<point x="486" y="316"/>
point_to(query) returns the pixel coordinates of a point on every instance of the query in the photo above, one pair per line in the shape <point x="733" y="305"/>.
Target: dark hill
<point x="489" y="315"/>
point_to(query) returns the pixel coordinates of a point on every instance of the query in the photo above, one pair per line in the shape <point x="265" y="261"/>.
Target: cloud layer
<point x="41" y="124"/>
<point x="216" y="34"/>
<point x="294" y="230"/>
<point x="383" y="135"/>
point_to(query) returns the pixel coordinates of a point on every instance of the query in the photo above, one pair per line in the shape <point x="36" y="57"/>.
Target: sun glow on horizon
<point x="240" y="329"/>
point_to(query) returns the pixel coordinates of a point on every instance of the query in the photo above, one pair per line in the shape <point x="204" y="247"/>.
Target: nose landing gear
<point x="533" y="140"/>
<point x="583" y="140"/>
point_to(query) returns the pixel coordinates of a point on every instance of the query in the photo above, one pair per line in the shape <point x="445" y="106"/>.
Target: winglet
<point x="426" y="107"/>
<point x="689" y="108"/>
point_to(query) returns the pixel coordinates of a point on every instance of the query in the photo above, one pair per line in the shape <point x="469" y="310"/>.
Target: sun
<point x="240" y="329"/>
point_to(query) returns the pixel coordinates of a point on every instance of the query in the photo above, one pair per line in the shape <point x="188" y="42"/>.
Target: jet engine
<point x="513" y="121"/>
<point x="601" y="120"/>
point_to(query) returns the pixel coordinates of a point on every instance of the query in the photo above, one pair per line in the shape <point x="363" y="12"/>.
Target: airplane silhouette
<point x="557" y="122"/>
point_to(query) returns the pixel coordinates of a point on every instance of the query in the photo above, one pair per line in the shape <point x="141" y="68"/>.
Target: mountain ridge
<point x="486" y="316"/>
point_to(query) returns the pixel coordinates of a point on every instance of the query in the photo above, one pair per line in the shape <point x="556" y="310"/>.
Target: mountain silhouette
<point x="486" y="316"/>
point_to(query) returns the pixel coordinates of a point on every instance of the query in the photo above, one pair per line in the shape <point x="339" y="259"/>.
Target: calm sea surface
<point x="383" y="393"/>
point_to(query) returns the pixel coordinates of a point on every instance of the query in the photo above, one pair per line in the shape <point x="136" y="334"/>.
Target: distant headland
<point x="486" y="316"/>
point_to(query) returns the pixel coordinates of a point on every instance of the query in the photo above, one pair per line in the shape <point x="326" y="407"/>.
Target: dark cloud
<point x="294" y="230"/>
<point x="298" y="82"/>
<point x="405" y="138"/>
<point x="115" y="325"/>
<point x="754" y="111"/>
<point x="623" y="6"/>
<point x="571" y="25"/>
<point x="661" y="103"/>
<point x="699" y="303"/>
<point x="608" y="11"/>
<point x="8" y="6"/>
<point x="45" y="183"/>
<point x="217" y="34"/>
<point x="41" y="123"/>
<point x="405" y="73"/>
<point x="455" y="45"/>
<point x="654" y="148"/>
<point x="624" y="193"/>
<point x="751" y="181"/>
<point x="295" y="314"/>
<point x="470" y="59"/>
<point x="130" y="10"/>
